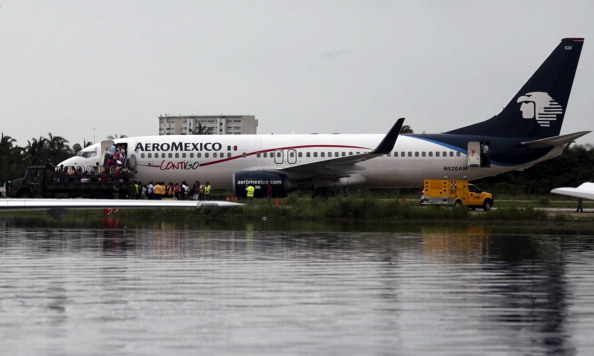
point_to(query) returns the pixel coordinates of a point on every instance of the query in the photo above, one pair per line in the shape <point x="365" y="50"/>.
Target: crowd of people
<point x="115" y="167"/>
<point x="158" y="190"/>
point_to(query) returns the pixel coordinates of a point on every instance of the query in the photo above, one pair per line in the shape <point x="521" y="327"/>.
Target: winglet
<point x="388" y="142"/>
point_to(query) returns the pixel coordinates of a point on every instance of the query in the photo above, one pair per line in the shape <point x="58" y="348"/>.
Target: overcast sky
<point x="88" y="69"/>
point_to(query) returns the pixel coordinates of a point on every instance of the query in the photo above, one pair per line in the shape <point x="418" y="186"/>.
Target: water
<point x="166" y="287"/>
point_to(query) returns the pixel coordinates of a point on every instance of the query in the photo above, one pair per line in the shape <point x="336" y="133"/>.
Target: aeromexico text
<point x="178" y="146"/>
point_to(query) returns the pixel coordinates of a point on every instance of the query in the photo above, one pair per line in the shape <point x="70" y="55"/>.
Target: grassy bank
<point x="366" y="208"/>
<point x="355" y="208"/>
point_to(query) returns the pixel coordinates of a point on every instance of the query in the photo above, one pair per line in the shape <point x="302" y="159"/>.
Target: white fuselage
<point x="215" y="158"/>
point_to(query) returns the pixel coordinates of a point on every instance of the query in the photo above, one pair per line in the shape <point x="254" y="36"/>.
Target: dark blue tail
<point x="538" y="109"/>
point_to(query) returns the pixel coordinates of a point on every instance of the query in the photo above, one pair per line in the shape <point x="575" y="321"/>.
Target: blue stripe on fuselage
<point x="505" y="151"/>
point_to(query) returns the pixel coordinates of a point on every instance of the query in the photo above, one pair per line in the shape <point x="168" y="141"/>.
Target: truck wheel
<point x="457" y="204"/>
<point x="98" y="195"/>
<point x="24" y="194"/>
<point x="487" y="205"/>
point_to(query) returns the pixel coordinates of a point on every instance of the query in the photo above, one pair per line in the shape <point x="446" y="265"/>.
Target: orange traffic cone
<point x="277" y="203"/>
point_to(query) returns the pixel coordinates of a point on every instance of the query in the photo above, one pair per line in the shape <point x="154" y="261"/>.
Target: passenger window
<point x="410" y="154"/>
<point x="315" y="154"/>
<point x="423" y="154"/>
<point x="322" y="154"/>
<point x="416" y="154"/>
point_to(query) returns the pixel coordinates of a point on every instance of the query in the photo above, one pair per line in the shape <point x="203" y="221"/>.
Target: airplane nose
<point x="69" y="162"/>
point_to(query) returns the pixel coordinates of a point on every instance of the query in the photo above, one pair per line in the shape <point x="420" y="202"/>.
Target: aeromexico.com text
<point x="178" y="146"/>
<point x="259" y="182"/>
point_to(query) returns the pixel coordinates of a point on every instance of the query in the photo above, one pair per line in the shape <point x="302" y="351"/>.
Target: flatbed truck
<point x="41" y="182"/>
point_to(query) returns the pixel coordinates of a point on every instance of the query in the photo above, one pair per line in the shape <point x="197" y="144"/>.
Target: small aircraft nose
<point x="69" y="162"/>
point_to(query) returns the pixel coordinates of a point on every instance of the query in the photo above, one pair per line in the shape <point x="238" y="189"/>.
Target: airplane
<point x="584" y="191"/>
<point x="524" y="133"/>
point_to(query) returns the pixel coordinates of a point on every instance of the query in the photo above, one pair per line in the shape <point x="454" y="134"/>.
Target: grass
<point x="367" y="207"/>
<point x="371" y="209"/>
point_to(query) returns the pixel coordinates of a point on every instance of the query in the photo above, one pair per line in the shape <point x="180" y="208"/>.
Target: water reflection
<point x="262" y="287"/>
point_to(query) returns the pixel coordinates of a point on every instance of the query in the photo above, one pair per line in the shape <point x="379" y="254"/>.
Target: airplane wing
<point x="58" y="208"/>
<point x="585" y="191"/>
<point x="43" y="204"/>
<point x="341" y="167"/>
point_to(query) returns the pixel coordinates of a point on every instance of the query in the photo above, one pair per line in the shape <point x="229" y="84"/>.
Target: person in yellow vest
<point x="159" y="190"/>
<point x="207" y="189"/>
<point x="250" y="193"/>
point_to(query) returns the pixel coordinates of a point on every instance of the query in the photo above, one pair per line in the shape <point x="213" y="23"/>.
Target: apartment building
<point x="215" y="125"/>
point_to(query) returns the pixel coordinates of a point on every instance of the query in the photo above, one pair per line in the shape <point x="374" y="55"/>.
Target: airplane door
<point x="474" y="154"/>
<point x="279" y="157"/>
<point x="291" y="156"/>
<point x="105" y="145"/>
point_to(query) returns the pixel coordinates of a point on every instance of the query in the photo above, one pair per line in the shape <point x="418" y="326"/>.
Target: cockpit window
<point x="88" y="154"/>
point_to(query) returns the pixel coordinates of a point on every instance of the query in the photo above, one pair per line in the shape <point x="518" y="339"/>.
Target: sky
<point x="84" y="70"/>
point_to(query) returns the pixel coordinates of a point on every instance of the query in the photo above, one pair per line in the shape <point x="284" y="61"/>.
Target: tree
<point x="77" y="147"/>
<point x="406" y="129"/>
<point x="115" y="137"/>
<point x="58" y="148"/>
<point x="9" y="158"/>
<point x="36" y="151"/>
<point x="201" y="130"/>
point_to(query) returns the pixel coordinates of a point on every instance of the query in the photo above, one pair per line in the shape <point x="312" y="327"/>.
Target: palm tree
<point x="406" y="129"/>
<point x="9" y="157"/>
<point x="77" y="147"/>
<point x="6" y="145"/>
<point x="58" y="148"/>
<point x="36" y="151"/>
<point x="115" y="137"/>
<point x="201" y="130"/>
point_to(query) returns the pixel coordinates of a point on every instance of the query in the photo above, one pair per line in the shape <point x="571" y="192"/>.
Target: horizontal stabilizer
<point x="555" y="140"/>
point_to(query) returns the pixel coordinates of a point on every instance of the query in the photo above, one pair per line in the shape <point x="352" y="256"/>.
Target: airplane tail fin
<point x="538" y="109"/>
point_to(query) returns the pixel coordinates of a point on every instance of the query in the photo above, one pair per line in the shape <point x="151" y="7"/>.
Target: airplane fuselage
<point x="215" y="158"/>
